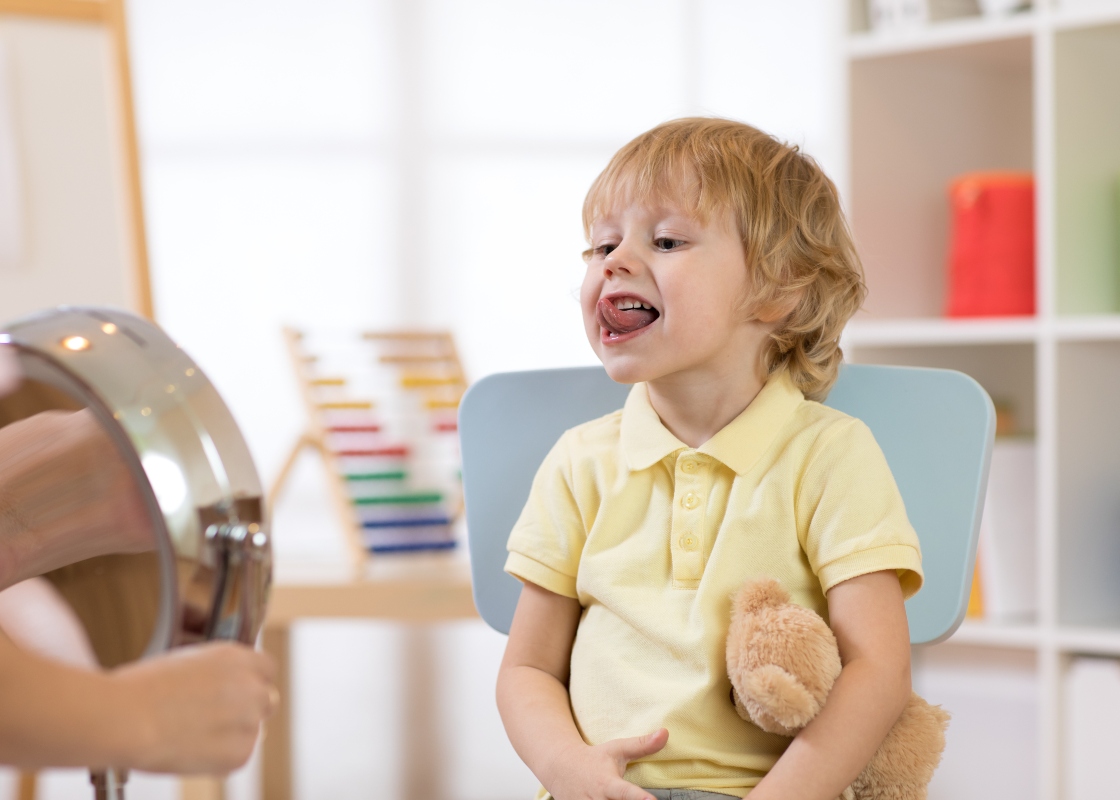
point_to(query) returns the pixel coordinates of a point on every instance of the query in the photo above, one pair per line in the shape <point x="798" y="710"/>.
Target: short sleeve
<point x="850" y="514"/>
<point x="547" y="540"/>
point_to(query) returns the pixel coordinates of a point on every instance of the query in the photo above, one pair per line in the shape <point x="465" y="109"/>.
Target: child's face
<point x="664" y="293"/>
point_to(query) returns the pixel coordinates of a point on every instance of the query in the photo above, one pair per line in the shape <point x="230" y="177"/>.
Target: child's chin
<point x="621" y="372"/>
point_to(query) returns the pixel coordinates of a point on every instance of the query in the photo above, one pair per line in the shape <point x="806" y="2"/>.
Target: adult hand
<point x="197" y="709"/>
<point x="595" y="772"/>
<point x="65" y="495"/>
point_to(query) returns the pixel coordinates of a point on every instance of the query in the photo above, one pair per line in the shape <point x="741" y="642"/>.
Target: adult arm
<point x="195" y="710"/>
<point x="868" y="617"/>
<point x="536" y="710"/>
<point x="65" y="496"/>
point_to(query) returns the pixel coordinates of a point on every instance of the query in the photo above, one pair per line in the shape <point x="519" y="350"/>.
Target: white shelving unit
<point x="1040" y="91"/>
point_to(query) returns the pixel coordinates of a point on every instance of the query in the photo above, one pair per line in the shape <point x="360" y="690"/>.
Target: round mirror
<point x="185" y="555"/>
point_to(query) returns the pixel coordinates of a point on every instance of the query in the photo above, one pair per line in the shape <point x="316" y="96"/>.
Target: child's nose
<point x="621" y="260"/>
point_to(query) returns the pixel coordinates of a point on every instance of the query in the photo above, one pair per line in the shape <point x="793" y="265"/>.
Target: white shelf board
<point x="1022" y="636"/>
<point x="1087" y="328"/>
<point x="1086" y="14"/>
<point x="940" y="35"/>
<point x="940" y="331"/>
<point x="1090" y="641"/>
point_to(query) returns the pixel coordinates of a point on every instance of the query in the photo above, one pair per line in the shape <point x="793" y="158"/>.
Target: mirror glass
<point x="126" y="491"/>
<point x="73" y="513"/>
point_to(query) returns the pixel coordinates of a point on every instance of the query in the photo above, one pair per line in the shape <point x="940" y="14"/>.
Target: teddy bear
<point x="782" y="660"/>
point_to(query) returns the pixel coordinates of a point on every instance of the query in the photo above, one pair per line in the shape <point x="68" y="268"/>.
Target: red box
<point x="991" y="257"/>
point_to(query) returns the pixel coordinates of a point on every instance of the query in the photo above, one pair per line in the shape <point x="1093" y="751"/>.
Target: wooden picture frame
<point x="70" y="121"/>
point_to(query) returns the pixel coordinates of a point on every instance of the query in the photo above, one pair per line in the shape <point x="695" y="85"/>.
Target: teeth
<point x="626" y="303"/>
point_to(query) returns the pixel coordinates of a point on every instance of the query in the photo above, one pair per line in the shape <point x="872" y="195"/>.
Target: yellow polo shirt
<point x="653" y="538"/>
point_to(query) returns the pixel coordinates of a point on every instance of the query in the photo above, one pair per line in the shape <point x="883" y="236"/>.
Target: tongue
<point x="619" y="322"/>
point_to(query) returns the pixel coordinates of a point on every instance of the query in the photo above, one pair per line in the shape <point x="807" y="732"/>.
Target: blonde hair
<point x="799" y="251"/>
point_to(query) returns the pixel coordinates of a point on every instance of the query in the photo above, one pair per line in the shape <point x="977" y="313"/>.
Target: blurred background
<point x="347" y="165"/>
<point x="402" y="164"/>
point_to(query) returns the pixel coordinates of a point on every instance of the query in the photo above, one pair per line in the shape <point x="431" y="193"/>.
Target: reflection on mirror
<point x="99" y="557"/>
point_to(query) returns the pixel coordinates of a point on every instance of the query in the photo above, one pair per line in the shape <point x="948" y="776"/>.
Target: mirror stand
<point x="108" y="784"/>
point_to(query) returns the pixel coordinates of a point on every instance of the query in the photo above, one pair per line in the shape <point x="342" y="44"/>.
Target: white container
<point x="1009" y="534"/>
<point x="1001" y="8"/>
<point x="891" y="15"/>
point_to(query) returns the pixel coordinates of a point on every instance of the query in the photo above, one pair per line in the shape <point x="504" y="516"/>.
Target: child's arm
<point x="533" y="701"/>
<point x="868" y="617"/>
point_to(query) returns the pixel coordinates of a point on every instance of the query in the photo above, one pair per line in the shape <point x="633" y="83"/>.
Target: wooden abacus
<point x="383" y="506"/>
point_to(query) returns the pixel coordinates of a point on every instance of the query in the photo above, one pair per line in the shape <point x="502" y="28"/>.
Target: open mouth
<point x="621" y="315"/>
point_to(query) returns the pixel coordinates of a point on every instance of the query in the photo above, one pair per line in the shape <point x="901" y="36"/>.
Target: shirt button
<point x="690" y="466"/>
<point x="688" y="542"/>
<point x="690" y="501"/>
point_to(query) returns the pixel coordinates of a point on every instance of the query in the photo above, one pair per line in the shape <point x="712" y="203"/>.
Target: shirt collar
<point x="739" y="445"/>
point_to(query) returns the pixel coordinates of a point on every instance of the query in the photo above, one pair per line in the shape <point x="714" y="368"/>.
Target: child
<point x="720" y="275"/>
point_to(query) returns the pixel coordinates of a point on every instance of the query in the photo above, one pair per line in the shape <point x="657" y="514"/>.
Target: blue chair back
<point x="935" y="426"/>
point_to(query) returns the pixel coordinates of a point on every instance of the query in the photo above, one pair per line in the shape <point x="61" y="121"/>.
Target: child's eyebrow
<point x="679" y="219"/>
<point x="601" y="226"/>
<point x="679" y="216"/>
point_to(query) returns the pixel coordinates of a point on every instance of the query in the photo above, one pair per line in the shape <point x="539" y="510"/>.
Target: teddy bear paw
<point x="779" y="702"/>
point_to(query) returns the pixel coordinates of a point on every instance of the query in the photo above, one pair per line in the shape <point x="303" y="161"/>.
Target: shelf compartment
<point x="1083" y="15"/>
<point x="1006" y="371"/>
<point x="989" y="634"/>
<point x="940" y="34"/>
<point x="993" y="697"/>
<point x="1089" y="641"/>
<point x="1091" y="703"/>
<point x="989" y="330"/>
<point x="1087" y="176"/>
<point x="1088" y="483"/>
<point x="919" y="120"/>
<point x="1101" y="327"/>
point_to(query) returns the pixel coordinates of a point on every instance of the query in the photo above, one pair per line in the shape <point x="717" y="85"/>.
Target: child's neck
<point x="696" y="407"/>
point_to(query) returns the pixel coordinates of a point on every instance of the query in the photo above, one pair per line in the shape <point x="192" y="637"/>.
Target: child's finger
<point x="641" y="746"/>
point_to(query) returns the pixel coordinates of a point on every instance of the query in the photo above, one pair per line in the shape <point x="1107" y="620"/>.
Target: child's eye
<point x="665" y="244"/>
<point x="599" y="251"/>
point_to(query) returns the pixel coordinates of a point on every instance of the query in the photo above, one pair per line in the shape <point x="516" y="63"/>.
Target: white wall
<point x="382" y="162"/>
<point x="378" y="163"/>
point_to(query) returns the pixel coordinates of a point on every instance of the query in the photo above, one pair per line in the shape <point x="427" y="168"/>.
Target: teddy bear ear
<point x="759" y="593"/>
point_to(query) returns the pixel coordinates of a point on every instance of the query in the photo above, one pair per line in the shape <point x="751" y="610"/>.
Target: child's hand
<point x="197" y="709"/>
<point x="595" y="773"/>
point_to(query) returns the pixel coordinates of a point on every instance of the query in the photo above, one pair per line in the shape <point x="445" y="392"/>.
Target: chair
<point x="935" y="427"/>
